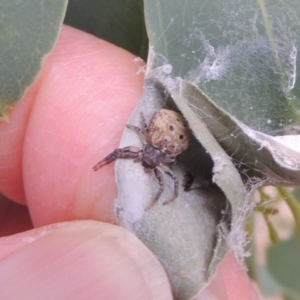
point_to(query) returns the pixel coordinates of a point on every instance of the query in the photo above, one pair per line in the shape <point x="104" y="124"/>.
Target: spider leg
<point x="188" y="181"/>
<point x="145" y="127"/>
<point x="126" y="152"/>
<point x="159" y="177"/>
<point x="170" y="160"/>
<point x="143" y="133"/>
<point x="139" y="132"/>
<point x="176" y="183"/>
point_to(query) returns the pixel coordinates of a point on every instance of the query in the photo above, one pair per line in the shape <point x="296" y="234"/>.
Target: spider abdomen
<point x="168" y="131"/>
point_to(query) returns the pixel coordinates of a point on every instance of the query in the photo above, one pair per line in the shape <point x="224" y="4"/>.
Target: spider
<point x="166" y="137"/>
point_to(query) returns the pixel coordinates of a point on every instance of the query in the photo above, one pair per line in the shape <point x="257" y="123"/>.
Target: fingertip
<point x="231" y="282"/>
<point x="91" y="259"/>
<point x="236" y="279"/>
<point x="88" y="90"/>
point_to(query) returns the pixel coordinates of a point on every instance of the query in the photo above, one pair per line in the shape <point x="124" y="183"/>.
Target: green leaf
<point x="294" y="206"/>
<point x="28" y="32"/>
<point x="268" y="284"/>
<point x="264" y="275"/>
<point x="242" y="54"/>
<point x="284" y="263"/>
<point x="119" y="22"/>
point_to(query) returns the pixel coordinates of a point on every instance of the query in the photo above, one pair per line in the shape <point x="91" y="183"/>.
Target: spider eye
<point x="171" y="128"/>
<point x="181" y="136"/>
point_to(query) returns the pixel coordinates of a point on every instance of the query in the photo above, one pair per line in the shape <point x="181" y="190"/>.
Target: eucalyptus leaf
<point x="262" y="159"/>
<point x="230" y="68"/>
<point x="28" y="32"/>
<point x="270" y="286"/>
<point x="189" y="236"/>
<point x="284" y="263"/>
<point x="242" y="54"/>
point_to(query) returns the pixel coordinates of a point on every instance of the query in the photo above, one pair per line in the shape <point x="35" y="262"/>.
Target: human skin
<point x="71" y="117"/>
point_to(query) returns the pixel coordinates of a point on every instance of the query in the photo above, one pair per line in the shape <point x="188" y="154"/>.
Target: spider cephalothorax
<point x="166" y="137"/>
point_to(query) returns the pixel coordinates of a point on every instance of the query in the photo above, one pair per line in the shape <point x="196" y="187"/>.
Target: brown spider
<point x="167" y="136"/>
